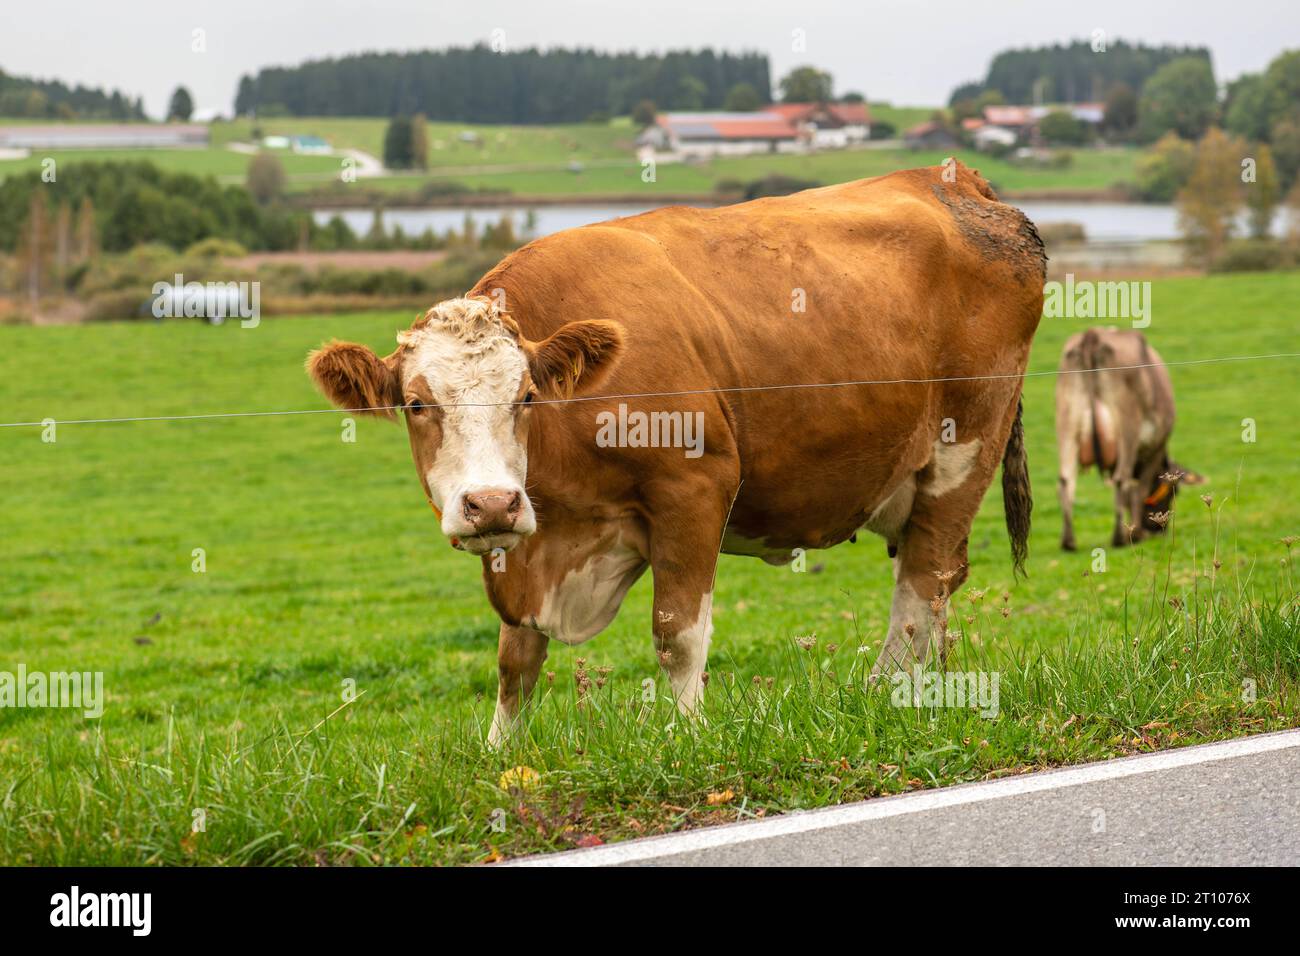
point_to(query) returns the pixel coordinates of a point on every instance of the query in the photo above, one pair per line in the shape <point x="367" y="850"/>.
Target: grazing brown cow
<point x="1115" y="410"/>
<point x="689" y="337"/>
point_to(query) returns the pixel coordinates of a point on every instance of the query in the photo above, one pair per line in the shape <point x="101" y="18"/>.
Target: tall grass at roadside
<point x="607" y="757"/>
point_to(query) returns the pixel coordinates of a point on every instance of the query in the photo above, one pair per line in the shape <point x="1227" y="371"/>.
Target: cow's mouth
<point x="485" y="543"/>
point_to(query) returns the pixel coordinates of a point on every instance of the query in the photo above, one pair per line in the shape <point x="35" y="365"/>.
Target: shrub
<point x="777" y="185"/>
<point x="1053" y="232"/>
<point x="1165" y="168"/>
<point x="1253" y="255"/>
<point x="121" y="304"/>
<point x="266" y="178"/>
<point x="883" y="129"/>
<point x="215" y="248"/>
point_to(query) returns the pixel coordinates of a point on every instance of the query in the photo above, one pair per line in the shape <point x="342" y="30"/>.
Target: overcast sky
<point x="910" y="53"/>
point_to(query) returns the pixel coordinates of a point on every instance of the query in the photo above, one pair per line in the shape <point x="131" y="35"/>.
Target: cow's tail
<point x="1017" y="500"/>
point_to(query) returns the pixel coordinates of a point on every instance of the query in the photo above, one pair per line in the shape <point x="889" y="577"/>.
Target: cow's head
<point x="465" y="379"/>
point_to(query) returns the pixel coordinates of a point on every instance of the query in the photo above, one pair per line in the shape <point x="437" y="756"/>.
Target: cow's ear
<point x="577" y="355"/>
<point x="355" y="378"/>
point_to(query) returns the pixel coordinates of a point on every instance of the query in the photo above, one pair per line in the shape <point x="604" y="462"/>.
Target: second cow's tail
<point x="1017" y="500"/>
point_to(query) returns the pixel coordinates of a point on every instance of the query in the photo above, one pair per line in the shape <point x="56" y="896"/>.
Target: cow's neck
<point x="582" y="524"/>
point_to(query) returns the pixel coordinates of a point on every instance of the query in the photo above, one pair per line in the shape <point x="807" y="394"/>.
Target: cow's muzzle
<point x="490" y="518"/>
<point x="492" y="512"/>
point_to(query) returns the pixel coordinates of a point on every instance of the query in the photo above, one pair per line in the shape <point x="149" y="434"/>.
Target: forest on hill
<point x="478" y="85"/>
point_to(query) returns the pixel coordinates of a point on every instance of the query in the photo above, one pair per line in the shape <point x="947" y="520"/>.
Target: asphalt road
<point x="1227" y="804"/>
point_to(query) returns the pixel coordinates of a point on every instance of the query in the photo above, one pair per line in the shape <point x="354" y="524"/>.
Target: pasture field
<point x="198" y="162"/>
<point x="534" y="160"/>
<point x="229" y="696"/>
<point x="1089" y="170"/>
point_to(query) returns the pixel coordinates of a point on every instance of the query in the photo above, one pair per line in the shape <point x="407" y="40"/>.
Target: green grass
<point x="902" y="117"/>
<point x="323" y="566"/>
<point x="500" y="145"/>
<point x="1090" y="170"/>
<point x="199" y="162"/>
<point x="534" y="160"/>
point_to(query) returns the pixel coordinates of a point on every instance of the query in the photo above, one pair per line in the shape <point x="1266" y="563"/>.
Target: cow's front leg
<point x="683" y="558"/>
<point x="683" y="628"/>
<point x="520" y="653"/>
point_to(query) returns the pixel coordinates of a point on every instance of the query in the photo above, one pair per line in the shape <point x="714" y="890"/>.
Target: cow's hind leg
<point x="1066" y="484"/>
<point x="931" y="562"/>
<point x="928" y="568"/>
<point x="520" y="653"/>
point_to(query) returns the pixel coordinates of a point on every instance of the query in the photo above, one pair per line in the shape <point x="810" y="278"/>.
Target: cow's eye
<point x="528" y="399"/>
<point x="415" y="406"/>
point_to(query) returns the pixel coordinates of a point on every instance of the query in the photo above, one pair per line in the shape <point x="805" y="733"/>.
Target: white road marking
<point x="881" y="808"/>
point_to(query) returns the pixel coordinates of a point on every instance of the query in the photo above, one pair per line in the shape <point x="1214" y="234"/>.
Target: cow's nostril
<point x="492" y="510"/>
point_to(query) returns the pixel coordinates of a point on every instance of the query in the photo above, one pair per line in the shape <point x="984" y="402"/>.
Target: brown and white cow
<point x="539" y="406"/>
<point x="1115" y="410"/>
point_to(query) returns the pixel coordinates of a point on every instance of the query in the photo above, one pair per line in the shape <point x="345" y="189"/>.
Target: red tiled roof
<point x="850" y="114"/>
<point x="755" y="129"/>
<point x="1009" y="115"/>
<point x="794" y="112"/>
<point x="920" y="129"/>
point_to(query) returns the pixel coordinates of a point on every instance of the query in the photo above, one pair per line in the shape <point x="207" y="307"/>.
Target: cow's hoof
<point x="1068" y="544"/>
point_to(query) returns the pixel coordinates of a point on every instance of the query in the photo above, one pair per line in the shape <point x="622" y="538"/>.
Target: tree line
<point x="121" y="205"/>
<point x="1075" y="72"/>
<point x="479" y="85"/>
<point x="49" y="99"/>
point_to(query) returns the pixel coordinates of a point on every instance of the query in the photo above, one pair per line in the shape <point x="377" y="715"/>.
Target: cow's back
<point x="748" y="309"/>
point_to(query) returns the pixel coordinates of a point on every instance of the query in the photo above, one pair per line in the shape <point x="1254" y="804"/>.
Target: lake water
<point x="1109" y="221"/>
<point x="1102" y="222"/>
<point x="547" y="219"/>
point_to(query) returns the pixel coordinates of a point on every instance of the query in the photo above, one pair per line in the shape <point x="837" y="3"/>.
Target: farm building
<point x="1023" y="120"/>
<point x="104" y="136"/>
<point x="1001" y="127"/>
<point x="782" y="127"/>
<point x="986" y="136"/>
<point x="827" y="125"/>
<point x="929" y="135"/>
<point x="299" y="144"/>
<point x="701" y="135"/>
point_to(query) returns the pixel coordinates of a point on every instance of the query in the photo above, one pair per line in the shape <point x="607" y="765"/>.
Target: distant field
<point x="583" y="159"/>
<point x="1090" y="170"/>
<point x="200" y="162"/>
<point x="497" y="145"/>
<point x="323" y="565"/>
<point x="901" y="117"/>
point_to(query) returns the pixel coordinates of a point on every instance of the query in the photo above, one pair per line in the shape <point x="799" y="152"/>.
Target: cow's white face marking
<point x="474" y="368"/>
<point x="951" y="464"/>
